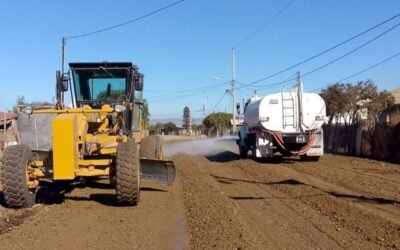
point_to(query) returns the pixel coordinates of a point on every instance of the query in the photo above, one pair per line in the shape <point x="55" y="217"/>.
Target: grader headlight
<point x="28" y="110"/>
<point x="119" y="108"/>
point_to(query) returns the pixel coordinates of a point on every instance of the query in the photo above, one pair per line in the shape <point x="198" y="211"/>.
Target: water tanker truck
<point x="289" y="122"/>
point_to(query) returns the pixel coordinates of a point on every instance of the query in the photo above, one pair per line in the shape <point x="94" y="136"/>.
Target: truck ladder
<point x="287" y="110"/>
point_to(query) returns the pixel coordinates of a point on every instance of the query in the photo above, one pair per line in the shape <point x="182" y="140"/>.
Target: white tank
<point x="285" y="112"/>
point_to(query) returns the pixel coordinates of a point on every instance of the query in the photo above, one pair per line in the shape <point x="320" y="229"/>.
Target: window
<point x="101" y="86"/>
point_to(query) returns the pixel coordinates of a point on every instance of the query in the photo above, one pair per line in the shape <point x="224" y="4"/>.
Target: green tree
<point x="19" y="102"/>
<point x="198" y="128"/>
<point x="159" y="126"/>
<point x="216" y="123"/>
<point x="152" y="129"/>
<point x="356" y="100"/>
<point x="145" y="114"/>
<point x="331" y="95"/>
<point x="169" y="127"/>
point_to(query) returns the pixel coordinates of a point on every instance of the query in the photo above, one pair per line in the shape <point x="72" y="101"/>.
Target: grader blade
<point x="157" y="170"/>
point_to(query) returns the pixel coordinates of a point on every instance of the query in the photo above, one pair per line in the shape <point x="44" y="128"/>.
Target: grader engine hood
<point x="35" y="131"/>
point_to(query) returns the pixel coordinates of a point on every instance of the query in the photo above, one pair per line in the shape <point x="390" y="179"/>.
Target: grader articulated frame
<point x="100" y="135"/>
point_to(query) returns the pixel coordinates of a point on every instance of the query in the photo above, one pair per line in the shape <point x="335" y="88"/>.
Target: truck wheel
<point x="151" y="147"/>
<point x="309" y="158"/>
<point x="254" y="146"/>
<point x="127" y="174"/>
<point x="242" y="148"/>
<point x="19" y="188"/>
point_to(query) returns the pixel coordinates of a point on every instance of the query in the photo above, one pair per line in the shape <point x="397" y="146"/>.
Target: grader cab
<point x="100" y="135"/>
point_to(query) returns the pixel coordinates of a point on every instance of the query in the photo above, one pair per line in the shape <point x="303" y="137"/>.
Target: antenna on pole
<point x="233" y="91"/>
<point x="63" y="44"/>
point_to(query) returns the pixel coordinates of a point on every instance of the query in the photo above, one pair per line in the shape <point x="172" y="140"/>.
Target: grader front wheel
<point x="17" y="176"/>
<point x="127" y="174"/>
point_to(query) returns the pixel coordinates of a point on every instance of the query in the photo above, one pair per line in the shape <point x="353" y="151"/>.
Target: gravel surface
<point x="222" y="202"/>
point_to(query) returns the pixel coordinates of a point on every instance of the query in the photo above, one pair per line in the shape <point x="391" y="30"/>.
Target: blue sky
<point x="189" y="45"/>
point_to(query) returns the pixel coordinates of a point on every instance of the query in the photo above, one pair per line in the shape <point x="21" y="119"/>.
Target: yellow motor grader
<point x="100" y="135"/>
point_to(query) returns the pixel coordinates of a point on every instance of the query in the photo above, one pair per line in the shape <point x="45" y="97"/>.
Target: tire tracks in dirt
<point x="285" y="207"/>
<point x="86" y="217"/>
<point x="213" y="219"/>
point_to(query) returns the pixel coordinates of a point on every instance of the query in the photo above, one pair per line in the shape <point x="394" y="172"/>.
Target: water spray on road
<point x="202" y="147"/>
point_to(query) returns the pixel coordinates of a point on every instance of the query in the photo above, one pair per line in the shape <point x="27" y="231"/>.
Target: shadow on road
<point x="228" y="156"/>
<point x="294" y="182"/>
<point x="246" y="198"/>
<point x="230" y="180"/>
<point x="271" y="197"/>
<point x="57" y="192"/>
<point x="362" y="198"/>
<point x="107" y="199"/>
<point x="104" y="199"/>
<point x="225" y="156"/>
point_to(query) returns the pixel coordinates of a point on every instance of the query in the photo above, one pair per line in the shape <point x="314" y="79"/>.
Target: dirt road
<point x="222" y="202"/>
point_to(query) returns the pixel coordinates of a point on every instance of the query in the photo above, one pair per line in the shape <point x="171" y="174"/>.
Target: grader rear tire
<point x="14" y="177"/>
<point x="127" y="174"/>
<point x="151" y="147"/>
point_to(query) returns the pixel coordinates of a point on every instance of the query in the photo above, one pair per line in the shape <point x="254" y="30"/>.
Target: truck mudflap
<point x="161" y="171"/>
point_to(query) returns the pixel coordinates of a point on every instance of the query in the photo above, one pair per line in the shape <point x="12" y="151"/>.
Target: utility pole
<point x="243" y="107"/>
<point x="5" y="130"/>
<point x="205" y="106"/>
<point x="298" y="78"/>
<point x="300" y="101"/>
<point x="233" y="90"/>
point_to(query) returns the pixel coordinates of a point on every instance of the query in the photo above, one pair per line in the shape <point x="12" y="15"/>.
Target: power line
<point x="195" y="91"/>
<point x="353" y="50"/>
<point x="219" y="101"/>
<point x="176" y="97"/>
<point x="127" y="22"/>
<point x="173" y="98"/>
<point x="268" y="86"/>
<point x="324" y="51"/>
<point x="338" y="58"/>
<point x="369" y="68"/>
<point x="362" y="71"/>
<point x="242" y="90"/>
<point x="269" y="21"/>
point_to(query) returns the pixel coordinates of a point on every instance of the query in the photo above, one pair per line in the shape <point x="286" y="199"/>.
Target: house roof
<point x="9" y="116"/>
<point x="396" y="94"/>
